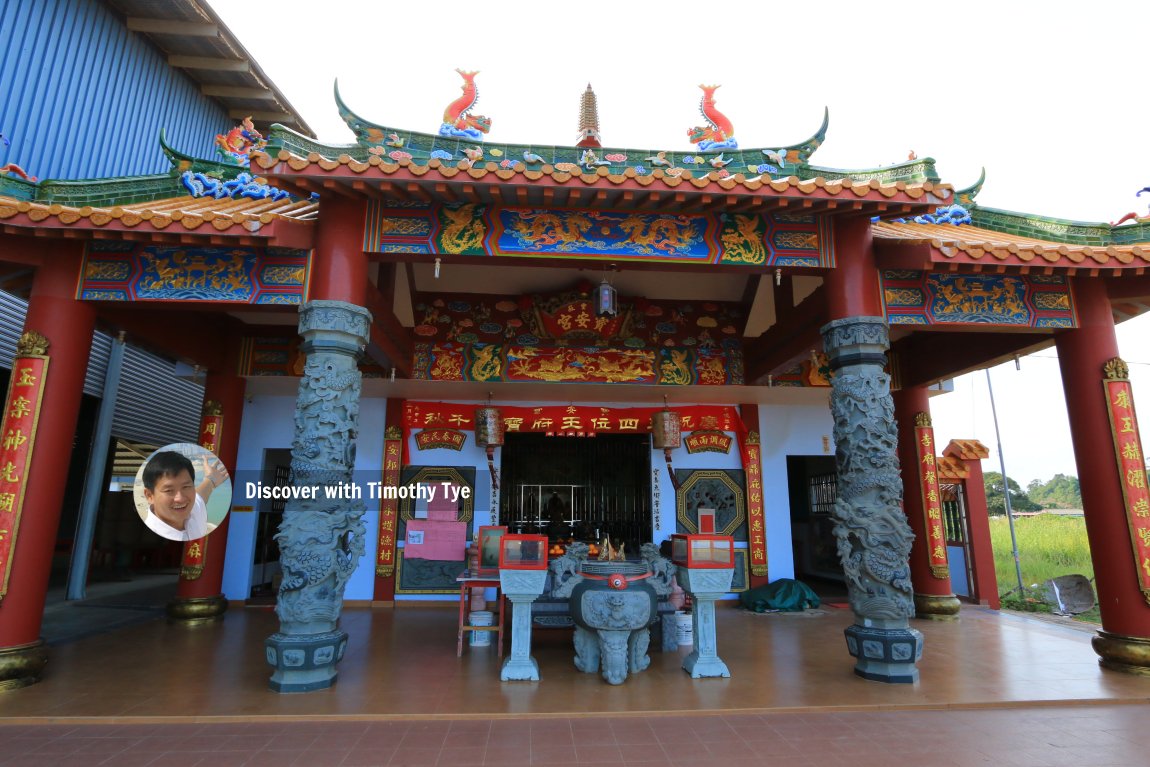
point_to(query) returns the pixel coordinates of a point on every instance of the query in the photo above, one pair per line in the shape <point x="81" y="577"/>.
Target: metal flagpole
<point x="1005" y="484"/>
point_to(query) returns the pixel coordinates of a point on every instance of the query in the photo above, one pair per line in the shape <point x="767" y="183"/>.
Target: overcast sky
<point x="1049" y="98"/>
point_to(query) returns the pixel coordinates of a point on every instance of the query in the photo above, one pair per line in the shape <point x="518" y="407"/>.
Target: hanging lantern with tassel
<point x="607" y="300"/>
<point x="666" y="433"/>
<point x="489" y="435"/>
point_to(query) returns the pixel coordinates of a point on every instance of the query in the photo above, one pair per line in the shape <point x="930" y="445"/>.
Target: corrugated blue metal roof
<point x="82" y="97"/>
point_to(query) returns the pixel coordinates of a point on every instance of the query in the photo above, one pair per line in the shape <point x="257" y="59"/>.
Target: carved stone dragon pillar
<point x="874" y="539"/>
<point x="320" y="539"/>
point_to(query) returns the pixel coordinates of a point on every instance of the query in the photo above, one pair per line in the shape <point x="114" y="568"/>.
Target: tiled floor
<point x="994" y="689"/>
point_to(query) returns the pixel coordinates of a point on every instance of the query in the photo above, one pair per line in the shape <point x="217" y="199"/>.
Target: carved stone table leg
<point x="613" y="654"/>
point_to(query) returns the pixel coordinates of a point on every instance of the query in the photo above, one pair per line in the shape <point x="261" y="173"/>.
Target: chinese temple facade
<point x="507" y="322"/>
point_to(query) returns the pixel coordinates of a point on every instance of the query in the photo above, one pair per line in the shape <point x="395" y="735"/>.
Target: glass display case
<point x="703" y="551"/>
<point x="523" y="552"/>
<point x="489" y="550"/>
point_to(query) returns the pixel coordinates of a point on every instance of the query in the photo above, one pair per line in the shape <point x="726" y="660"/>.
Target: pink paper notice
<point x="445" y="541"/>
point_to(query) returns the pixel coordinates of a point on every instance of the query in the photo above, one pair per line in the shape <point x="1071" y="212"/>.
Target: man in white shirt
<point x="177" y="507"/>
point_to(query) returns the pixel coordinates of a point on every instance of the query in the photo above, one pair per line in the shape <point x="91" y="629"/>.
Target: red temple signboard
<point x="430" y="439"/>
<point x="707" y="441"/>
<point x="1131" y="465"/>
<point x="17" y="438"/>
<point x="756" y="520"/>
<point x="389" y="505"/>
<point x="931" y="497"/>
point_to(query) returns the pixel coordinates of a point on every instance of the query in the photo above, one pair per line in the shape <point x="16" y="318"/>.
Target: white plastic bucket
<point x="685" y="626"/>
<point x="481" y="618"/>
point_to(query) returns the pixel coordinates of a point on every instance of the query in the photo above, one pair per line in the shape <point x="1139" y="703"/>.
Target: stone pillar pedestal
<point x="22" y="665"/>
<point x="936" y="607"/>
<point x="874" y="540"/>
<point x="191" y="611"/>
<point x="885" y="651"/>
<point x="705" y="586"/>
<point x="521" y="587"/>
<point x="321" y="539"/>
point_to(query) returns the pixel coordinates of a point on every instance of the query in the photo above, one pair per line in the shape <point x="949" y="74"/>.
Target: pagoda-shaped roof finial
<point x="588" y="120"/>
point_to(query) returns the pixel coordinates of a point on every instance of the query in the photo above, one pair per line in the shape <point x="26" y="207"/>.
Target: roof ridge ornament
<point x="458" y="122"/>
<point x="237" y="144"/>
<point x="965" y="196"/>
<point x="720" y="134"/>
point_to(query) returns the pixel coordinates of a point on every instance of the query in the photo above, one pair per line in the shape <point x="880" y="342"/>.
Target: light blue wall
<point x="82" y="97"/>
<point x="786" y="430"/>
<point x="268" y="423"/>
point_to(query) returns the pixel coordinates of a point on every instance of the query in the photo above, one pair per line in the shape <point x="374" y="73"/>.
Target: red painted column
<point x="1124" y="641"/>
<point x="201" y="598"/>
<point x="852" y="287"/>
<point x="971" y="453"/>
<point x="54" y="312"/>
<point x="339" y="265"/>
<point x="933" y="596"/>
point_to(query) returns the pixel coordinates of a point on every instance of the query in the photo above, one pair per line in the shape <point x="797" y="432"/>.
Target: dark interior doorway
<point x="584" y="488"/>
<point x="813" y="488"/>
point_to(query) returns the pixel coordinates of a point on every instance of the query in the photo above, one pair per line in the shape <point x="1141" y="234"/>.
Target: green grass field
<point x="1048" y="546"/>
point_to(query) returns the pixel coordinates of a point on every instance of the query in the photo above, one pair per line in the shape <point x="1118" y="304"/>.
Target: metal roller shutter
<point x="154" y="406"/>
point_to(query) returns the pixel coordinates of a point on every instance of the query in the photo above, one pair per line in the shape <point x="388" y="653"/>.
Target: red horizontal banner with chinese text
<point x="1131" y="473"/>
<point x="931" y="497"/>
<point x="17" y="438"/>
<point x="569" y="420"/>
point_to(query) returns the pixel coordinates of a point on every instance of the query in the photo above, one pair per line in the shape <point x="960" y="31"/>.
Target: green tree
<point x="1060" y="492"/>
<point x="996" y="505"/>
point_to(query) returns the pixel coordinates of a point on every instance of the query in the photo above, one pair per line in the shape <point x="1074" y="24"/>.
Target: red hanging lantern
<point x="666" y="435"/>
<point x="489" y="435"/>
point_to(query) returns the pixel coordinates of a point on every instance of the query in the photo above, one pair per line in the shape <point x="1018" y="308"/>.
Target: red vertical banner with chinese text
<point x="756" y="520"/>
<point x="17" y="438"/>
<point x="931" y="496"/>
<point x="1131" y="464"/>
<point x="389" y="504"/>
<point x="211" y="428"/>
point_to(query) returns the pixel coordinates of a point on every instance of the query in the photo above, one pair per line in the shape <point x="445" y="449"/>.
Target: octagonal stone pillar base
<point x="885" y="653"/>
<point x="22" y="665"/>
<point x="934" y="607"/>
<point x="193" y="611"/>
<point x="1118" y="652"/>
<point x="304" y="662"/>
